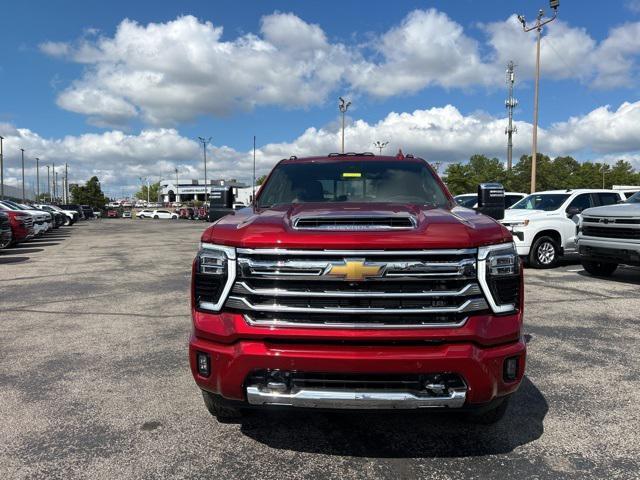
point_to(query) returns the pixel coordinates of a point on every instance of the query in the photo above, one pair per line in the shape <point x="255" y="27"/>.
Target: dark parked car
<point x="88" y="211"/>
<point x="58" y="218"/>
<point x="5" y="231"/>
<point x="75" y="208"/>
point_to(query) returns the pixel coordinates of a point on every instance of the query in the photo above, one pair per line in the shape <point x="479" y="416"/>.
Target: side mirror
<point x="491" y="200"/>
<point x="572" y="211"/>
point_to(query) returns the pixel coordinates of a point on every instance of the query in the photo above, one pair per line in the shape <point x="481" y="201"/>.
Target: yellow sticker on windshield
<point x="351" y="175"/>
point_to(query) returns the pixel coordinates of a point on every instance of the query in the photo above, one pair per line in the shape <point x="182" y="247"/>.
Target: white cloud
<point x="176" y="71"/>
<point x="441" y="134"/>
<point x="602" y="130"/>
<point x="55" y="49"/>
<point x="167" y="73"/>
<point x="427" y="48"/>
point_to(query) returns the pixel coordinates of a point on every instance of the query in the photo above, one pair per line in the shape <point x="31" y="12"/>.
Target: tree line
<point x="552" y="174"/>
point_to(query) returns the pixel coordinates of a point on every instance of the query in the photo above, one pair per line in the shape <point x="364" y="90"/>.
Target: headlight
<point x="522" y="223"/>
<point x="215" y="271"/>
<point x="499" y="276"/>
<point x="22" y="218"/>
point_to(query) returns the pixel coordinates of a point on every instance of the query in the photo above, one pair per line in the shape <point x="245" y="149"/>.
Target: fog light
<point x="510" y="369"/>
<point x="204" y="364"/>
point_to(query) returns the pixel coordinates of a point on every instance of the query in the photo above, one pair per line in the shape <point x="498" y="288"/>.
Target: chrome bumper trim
<point x="358" y="399"/>
<point x="245" y="288"/>
<point x="472" y="305"/>
<point x="356" y="326"/>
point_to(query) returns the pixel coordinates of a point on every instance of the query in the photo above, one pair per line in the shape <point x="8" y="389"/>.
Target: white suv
<point x="545" y="224"/>
<point x="470" y="200"/>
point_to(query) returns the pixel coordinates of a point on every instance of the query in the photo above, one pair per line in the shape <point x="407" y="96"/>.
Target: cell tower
<point x="510" y="103"/>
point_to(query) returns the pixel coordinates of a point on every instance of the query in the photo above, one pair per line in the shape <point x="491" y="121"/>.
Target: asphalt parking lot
<point x="94" y="379"/>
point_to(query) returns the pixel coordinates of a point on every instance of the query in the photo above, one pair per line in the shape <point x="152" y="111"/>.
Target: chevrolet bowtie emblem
<point x="354" y="270"/>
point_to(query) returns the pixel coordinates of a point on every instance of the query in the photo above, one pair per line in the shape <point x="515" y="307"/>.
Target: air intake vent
<point x="352" y="223"/>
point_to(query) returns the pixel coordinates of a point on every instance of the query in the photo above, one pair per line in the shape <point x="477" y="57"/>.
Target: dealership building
<point x="190" y="190"/>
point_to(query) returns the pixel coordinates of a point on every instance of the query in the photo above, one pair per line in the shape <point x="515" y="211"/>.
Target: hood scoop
<point x="356" y="222"/>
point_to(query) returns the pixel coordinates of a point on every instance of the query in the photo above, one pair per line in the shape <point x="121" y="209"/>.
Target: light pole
<point x="142" y="182"/>
<point x="37" y="179"/>
<point x="1" y="169"/>
<point x="554" y="4"/>
<point x="380" y="145"/>
<point x="48" y="184"/>
<point x="23" y="196"/>
<point x="343" y="106"/>
<point x="603" y="170"/>
<point x="176" y="194"/>
<point x="205" y="142"/>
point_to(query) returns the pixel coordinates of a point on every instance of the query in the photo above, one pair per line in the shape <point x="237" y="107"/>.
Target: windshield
<point x="12" y="205"/>
<point x="546" y="202"/>
<point x="635" y="198"/>
<point x="468" y="201"/>
<point x="352" y="181"/>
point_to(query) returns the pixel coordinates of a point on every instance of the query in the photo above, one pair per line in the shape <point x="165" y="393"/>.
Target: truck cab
<point x="356" y="282"/>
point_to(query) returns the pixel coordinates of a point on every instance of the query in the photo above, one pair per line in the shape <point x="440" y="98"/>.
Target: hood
<point x="619" y="210"/>
<point x="39" y="214"/>
<point x="433" y="228"/>
<point x="522" y="214"/>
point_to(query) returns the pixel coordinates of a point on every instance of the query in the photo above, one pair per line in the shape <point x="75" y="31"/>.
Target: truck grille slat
<point x="611" y="232"/>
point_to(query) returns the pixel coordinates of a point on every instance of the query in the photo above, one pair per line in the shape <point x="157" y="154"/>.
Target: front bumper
<point x="521" y="239"/>
<point x="481" y="368"/>
<point x="609" y="250"/>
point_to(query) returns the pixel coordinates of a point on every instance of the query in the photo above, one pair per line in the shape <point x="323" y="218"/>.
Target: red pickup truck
<point x="356" y="282"/>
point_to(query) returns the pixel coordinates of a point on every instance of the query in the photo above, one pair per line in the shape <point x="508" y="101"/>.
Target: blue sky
<point x="65" y="72"/>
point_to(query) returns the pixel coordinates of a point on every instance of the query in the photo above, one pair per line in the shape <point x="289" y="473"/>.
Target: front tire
<point x="489" y="417"/>
<point x="155" y="217"/>
<point x="599" y="269"/>
<point x="544" y="253"/>
<point x="223" y="413"/>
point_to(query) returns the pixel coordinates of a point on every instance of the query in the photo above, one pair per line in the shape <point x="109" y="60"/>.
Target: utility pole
<point x="343" y="106"/>
<point x="66" y="183"/>
<point x="554" y="4"/>
<point x="22" y="150"/>
<point x="53" y="180"/>
<point x="511" y="103"/>
<point x="205" y="142"/>
<point x="1" y="169"/>
<point x="48" y="184"/>
<point x="37" y="179"/>
<point x="379" y="145"/>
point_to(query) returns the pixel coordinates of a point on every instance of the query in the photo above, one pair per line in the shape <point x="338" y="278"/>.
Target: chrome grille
<point x="410" y="289"/>
<point x="611" y="227"/>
